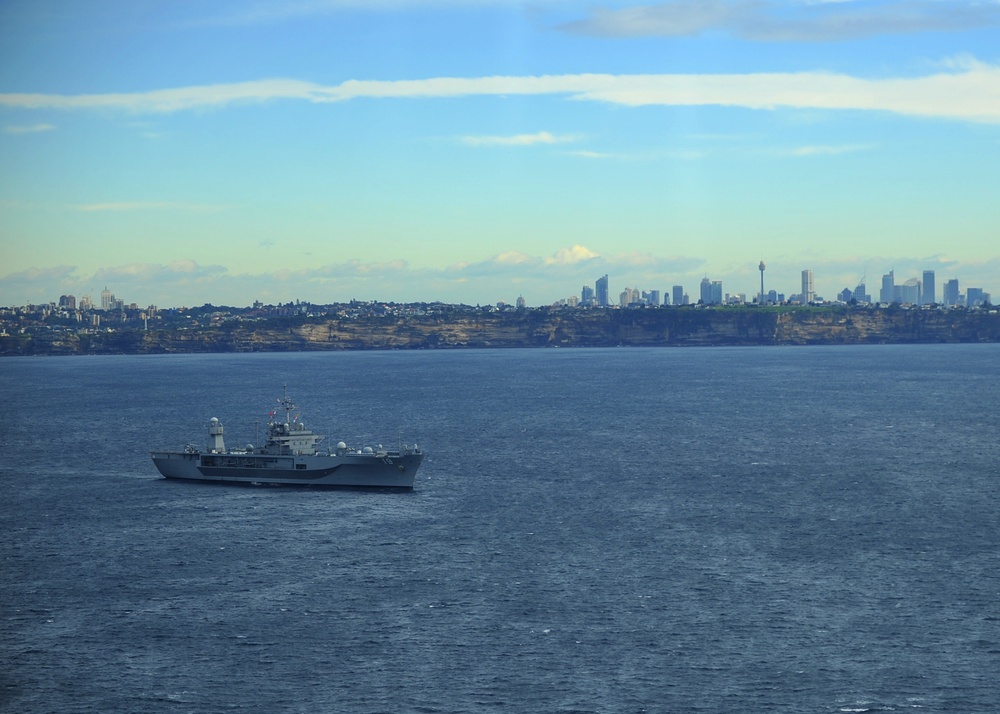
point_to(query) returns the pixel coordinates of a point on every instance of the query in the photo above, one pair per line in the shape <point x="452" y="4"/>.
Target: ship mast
<point x="287" y="404"/>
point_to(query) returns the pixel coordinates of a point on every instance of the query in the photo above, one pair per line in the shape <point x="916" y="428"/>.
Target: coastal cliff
<point x="544" y="327"/>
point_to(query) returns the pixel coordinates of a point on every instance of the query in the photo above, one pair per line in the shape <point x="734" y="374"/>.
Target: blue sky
<point x="472" y="151"/>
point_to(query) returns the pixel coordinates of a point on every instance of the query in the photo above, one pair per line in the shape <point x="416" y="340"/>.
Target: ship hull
<point x="358" y="470"/>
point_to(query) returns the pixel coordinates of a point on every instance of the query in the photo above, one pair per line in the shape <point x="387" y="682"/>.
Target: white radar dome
<point x="341" y="445"/>
<point x="366" y="450"/>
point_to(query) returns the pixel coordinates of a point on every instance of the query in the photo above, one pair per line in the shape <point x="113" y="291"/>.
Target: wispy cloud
<point x="541" y="137"/>
<point x="541" y="278"/>
<point x="271" y="11"/>
<point x="784" y="22"/>
<point x="165" y="101"/>
<point x="184" y="271"/>
<point x="966" y="90"/>
<point x="29" y="129"/>
<point x="597" y="155"/>
<point x="123" y="206"/>
<point x="831" y="150"/>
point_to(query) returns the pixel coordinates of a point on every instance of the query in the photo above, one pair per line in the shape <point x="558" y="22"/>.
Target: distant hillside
<point x="545" y="327"/>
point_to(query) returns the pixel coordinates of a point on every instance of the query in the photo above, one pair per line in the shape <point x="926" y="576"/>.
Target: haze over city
<point x="472" y="151"/>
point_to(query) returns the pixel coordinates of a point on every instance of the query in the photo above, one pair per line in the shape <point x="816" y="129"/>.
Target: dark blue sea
<point x="610" y="530"/>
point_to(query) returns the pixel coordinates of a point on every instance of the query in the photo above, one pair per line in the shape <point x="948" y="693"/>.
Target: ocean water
<point x="619" y="530"/>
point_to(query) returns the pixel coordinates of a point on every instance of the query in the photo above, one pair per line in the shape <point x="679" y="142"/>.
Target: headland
<point x="437" y="326"/>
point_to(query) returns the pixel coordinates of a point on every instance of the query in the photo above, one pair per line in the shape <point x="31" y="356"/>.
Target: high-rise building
<point x="951" y="292"/>
<point x="629" y="296"/>
<point x="107" y="299"/>
<point x="678" y="295"/>
<point x="808" y="292"/>
<point x="974" y="297"/>
<point x="651" y="297"/>
<point x="711" y="292"/>
<point x="909" y="292"/>
<point x="587" y="296"/>
<point x="860" y="293"/>
<point x="887" y="293"/>
<point x="602" y="291"/>
<point x="929" y="296"/>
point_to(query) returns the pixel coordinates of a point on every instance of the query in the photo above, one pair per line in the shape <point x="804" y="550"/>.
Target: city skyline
<point x="912" y="291"/>
<point x="472" y="151"/>
<point x="603" y="296"/>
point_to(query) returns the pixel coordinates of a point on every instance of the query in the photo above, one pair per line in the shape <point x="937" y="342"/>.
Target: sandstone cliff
<point x="542" y="328"/>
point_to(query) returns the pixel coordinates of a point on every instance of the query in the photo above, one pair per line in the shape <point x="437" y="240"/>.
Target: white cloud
<point x="165" y="101"/>
<point x="513" y="257"/>
<point x="571" y="256"/>
<point x="968" y="92"/>
<point x="566" y="264"/>
<point x="541" y="137"/>
<point x="31" y="129"/>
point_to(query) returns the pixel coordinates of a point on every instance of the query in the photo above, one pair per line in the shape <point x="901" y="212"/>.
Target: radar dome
<point x="366" y="450"/>
<point x="341" y="445"/>
<point x="214" y="420"/>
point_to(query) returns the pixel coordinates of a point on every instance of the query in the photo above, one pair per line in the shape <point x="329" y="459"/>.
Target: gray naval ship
<point x="291" y="456"/>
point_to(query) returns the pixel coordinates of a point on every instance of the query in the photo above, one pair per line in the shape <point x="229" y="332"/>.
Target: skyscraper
<point x="678" y="295"/>
<point x="711" y="292"/>
<point x="587" y="295"/>
<point x="602" y="291"/>
<point x="887" y="293"/>
<point x="929" y="293"/>
<point x="716" y="292"/>
<point x="808" y="293"/>
<point x="706" y="291"/>
<point x="951" y="292"/>
<point x="909" y="292"/>
<point x="629" y="296"/>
